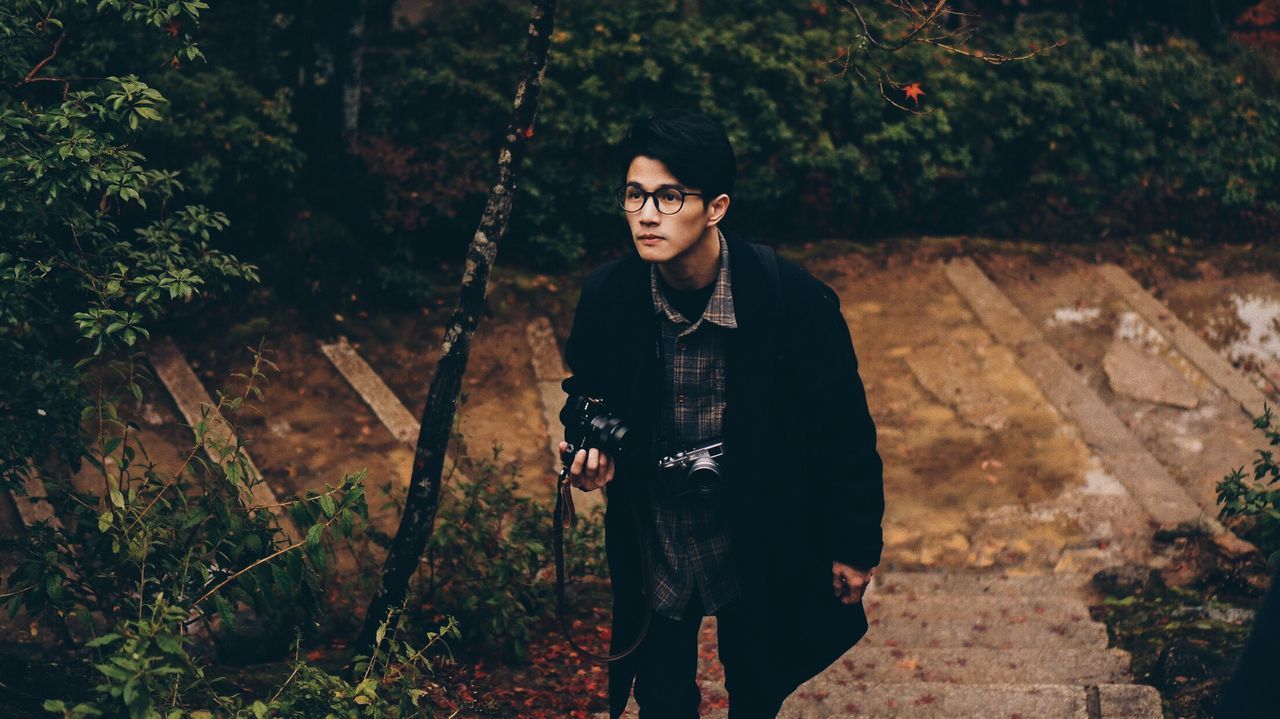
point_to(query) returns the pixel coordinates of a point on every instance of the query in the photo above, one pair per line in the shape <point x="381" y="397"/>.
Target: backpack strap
<point x="769" y="260"/>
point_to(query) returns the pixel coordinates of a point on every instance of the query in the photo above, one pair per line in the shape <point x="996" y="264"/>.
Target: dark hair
<point x="692" y="145"/>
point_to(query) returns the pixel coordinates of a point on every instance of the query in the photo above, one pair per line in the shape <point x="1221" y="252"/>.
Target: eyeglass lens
<point x="668" y="199"/>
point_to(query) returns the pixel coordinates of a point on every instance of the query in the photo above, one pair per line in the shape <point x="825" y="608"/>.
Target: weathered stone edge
<point x="1163" y="498"/>
<point x="1185" y="340"/>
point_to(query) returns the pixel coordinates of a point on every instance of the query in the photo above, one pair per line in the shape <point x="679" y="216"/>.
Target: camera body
<point x="594" y="427"/>
<point x="693" y="472"/>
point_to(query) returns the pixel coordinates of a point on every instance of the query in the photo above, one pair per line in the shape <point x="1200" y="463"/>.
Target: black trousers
<point x="667" y="667"/>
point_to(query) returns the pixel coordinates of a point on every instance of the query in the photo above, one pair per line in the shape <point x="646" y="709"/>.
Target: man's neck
<point x="696" y="268"/>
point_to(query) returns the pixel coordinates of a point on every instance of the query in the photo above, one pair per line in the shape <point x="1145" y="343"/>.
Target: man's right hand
<point x="591" y="469"/>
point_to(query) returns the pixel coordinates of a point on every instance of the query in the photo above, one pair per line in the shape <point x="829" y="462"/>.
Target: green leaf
<point x="314" y="534"/>
<point x="102" y="641"/>
<point x="326" y="503"/>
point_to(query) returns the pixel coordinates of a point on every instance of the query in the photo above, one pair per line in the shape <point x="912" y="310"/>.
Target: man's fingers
<point x="591" y="469"/>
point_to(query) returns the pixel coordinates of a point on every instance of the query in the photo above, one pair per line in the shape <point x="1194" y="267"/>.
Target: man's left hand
<point x="848" y="582"/>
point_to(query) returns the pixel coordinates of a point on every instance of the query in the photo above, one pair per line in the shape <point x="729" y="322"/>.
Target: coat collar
<point x="719" y="309"/>
<point x="753" y="303"/>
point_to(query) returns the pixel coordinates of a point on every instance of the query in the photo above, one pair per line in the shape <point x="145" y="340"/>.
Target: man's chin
<point x="653" y="253"/>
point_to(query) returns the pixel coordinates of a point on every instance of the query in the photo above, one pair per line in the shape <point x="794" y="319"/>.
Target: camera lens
<point x="609" y="433"/>
<point x="704" y="475"/>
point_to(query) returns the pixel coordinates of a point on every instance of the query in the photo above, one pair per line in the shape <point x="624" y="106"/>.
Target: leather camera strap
<point x="564" y="518"/>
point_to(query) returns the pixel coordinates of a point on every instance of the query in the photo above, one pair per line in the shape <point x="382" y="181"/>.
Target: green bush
<point x="97" y="246"/>
<point x="1083" y="140"/>
<point x="489" y="561"/>
<point x="1255" y="501"/>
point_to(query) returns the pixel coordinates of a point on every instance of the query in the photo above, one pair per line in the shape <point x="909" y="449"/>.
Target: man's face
<point x="658" y="237"/>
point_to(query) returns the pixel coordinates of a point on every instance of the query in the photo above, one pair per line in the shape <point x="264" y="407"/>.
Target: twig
<point x="255" y="565"/>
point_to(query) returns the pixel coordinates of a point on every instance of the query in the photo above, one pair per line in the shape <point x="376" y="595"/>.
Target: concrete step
<point x="977" y="665"/>
<point x="932" y="700"/>
<point x="947" y="584"/>
<point x="899" y="632"/>
<point x="927" y="700"/>
<point x="991" y="609"/>
<point x="902" y="632"/>
<point x="964" y="665"/>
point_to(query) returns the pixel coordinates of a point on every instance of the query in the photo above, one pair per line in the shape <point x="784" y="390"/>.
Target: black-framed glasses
<point x="668" y="200"/>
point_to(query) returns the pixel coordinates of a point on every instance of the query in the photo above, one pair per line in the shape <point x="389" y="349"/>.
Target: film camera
<point x="692" y="472"/>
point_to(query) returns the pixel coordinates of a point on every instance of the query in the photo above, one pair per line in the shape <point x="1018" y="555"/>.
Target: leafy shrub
<point x="489" y="561"/>
<point x="191" y="538"/>
<point x="96" y="247"/>
<point x="148" y="672"/>
<point x="1086" y="139"/>
<point x="1256" y="500"/>
<point x="397" y="681"/>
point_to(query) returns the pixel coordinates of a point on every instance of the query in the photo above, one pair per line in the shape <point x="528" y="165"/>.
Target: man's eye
<point x="670" y="196"/>
<point x="633" y="193"/>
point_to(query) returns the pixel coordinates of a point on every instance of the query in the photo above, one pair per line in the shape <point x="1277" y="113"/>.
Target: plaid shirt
<point x="693" y="543"/>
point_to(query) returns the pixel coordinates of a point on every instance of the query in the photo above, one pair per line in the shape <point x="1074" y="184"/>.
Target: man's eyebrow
<point x="664" y="186"/>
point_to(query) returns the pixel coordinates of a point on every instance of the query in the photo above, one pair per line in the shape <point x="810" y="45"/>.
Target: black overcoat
<point x="801" y="467"/>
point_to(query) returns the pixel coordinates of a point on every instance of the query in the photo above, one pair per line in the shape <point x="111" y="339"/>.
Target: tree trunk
<point x="351" y="82"/>
<point x="437" y="418"/>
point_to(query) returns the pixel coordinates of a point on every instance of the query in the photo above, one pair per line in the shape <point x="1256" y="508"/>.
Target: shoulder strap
<point x="769" y="260"/>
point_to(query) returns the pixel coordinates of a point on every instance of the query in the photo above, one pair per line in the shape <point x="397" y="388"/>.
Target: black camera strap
<point x="564" y="518"/>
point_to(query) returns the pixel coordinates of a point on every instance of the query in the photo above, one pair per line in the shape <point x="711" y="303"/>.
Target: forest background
<point x="329" y="151"/>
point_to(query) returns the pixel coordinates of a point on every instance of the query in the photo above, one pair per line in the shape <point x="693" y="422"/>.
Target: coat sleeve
<point x="585" y="375"/>
<point x="847" y="468"/>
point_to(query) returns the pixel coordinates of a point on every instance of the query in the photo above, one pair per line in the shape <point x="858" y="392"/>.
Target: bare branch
<point x="31" y="76"/>
<point x="924" y="18"/>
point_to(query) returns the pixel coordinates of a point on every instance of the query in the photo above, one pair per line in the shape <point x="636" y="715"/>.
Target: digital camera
<point x="594" y="427"/>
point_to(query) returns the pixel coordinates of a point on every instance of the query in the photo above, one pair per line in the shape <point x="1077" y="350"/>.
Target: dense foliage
<point x="1088" y="139"/>
<point x="489" y="562"/>
<point x="136" y="559"/>
<point x="1253" y="498"/>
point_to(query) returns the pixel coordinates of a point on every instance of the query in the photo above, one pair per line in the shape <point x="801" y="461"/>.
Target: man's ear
<point x="718" y="208"/>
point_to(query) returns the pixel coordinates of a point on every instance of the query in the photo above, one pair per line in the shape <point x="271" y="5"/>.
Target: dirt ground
<point x="945" y="475"/>
<point x="980" y="470"/>
<point x="994" y="478"/>
<point x="1081" y="317"/>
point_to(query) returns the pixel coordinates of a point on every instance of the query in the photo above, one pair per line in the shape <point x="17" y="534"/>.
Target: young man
<point x="697" y="338"/>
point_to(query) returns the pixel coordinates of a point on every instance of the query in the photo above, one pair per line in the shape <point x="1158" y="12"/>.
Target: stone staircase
<point x="964" y="645"/>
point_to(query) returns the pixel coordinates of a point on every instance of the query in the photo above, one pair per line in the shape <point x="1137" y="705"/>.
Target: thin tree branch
<point x="57" y="44"/>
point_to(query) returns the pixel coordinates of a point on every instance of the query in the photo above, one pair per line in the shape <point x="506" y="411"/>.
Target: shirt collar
<point x="719" y="307"/>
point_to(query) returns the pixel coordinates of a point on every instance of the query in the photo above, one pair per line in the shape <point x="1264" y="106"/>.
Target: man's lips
<point x="649" y="238"/>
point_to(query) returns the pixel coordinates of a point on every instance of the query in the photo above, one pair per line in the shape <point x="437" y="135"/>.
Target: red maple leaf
<point x="913" y="92"/>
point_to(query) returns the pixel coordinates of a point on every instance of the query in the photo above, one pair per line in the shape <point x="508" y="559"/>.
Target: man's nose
<point x="649" y="210"/>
